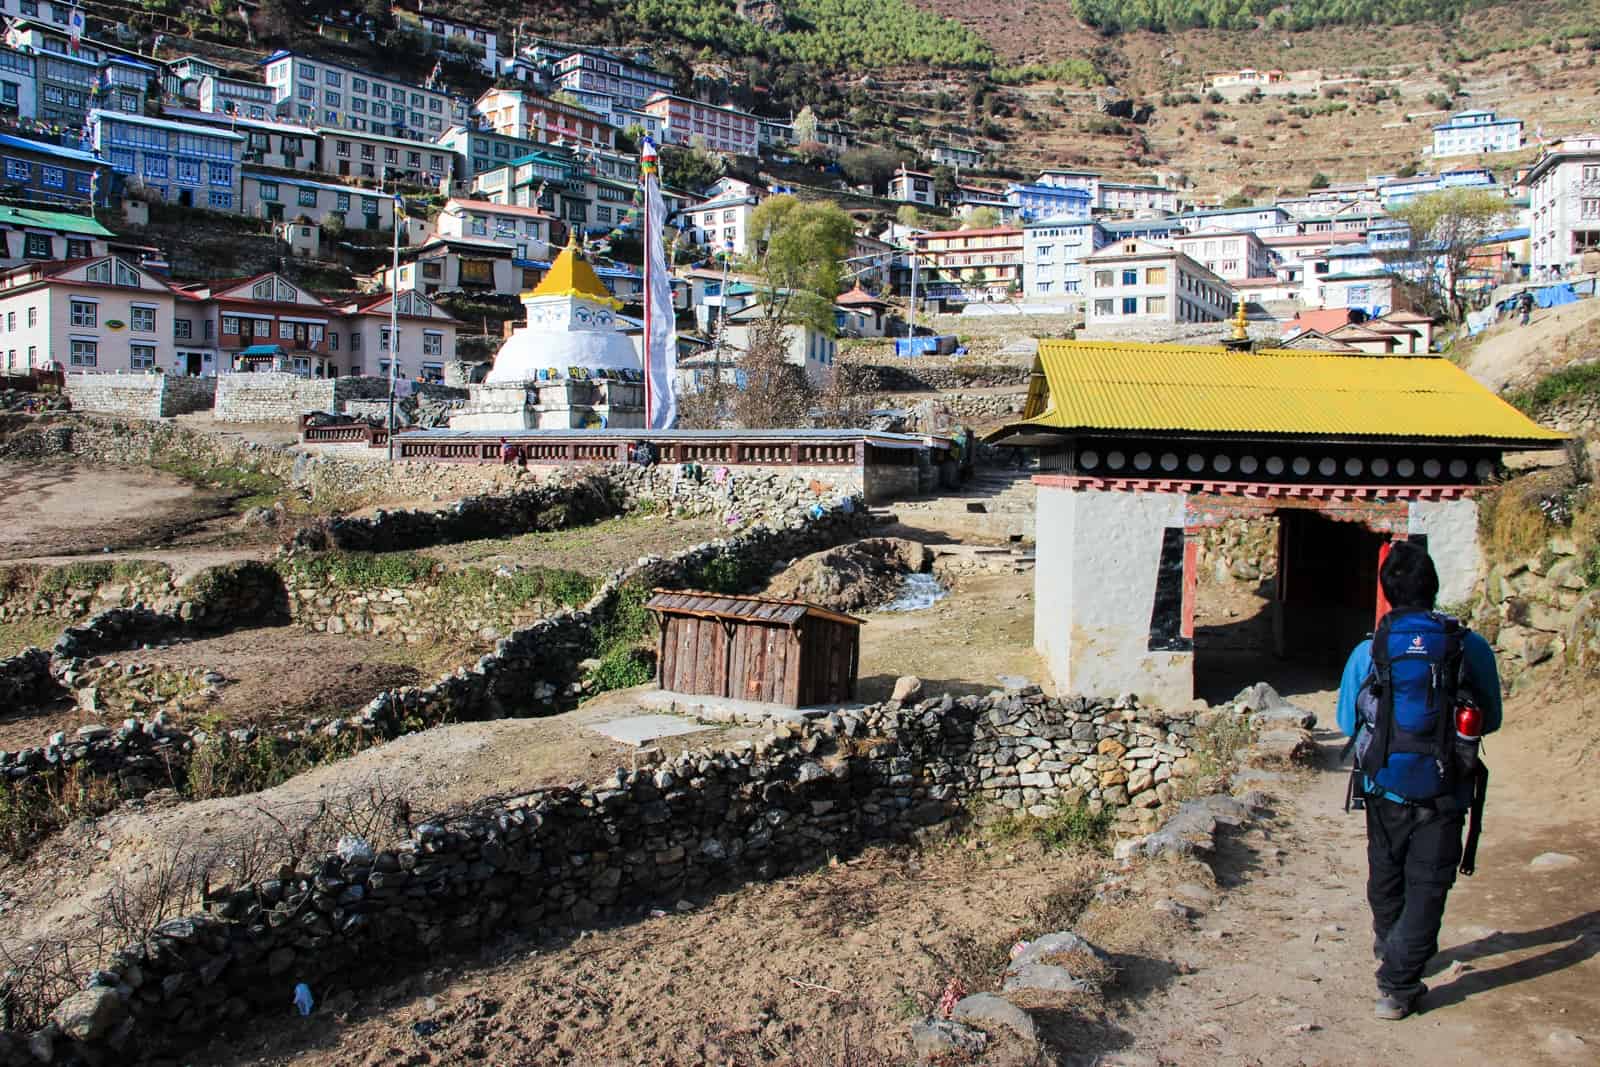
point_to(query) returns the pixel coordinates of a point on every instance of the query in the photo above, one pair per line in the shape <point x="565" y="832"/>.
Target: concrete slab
<point x="726" y="710"/>
<point x="641" y="730"/>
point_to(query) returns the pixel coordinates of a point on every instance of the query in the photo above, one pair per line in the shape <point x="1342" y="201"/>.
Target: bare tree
<point x="776" y="393"/>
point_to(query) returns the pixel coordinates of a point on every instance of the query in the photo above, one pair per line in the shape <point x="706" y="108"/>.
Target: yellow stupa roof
<point x="571" y="275"/>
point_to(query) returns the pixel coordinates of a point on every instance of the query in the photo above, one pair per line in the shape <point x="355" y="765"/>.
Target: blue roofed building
<point x="183" y="164"/>
<point x="1469" y="133"/>
<point x="38" y="170"/>
<point x="1035" y="202"/>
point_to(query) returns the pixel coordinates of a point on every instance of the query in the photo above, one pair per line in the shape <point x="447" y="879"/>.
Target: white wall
<point x="1095" y="583"/>
<point x="1452" y="529"/>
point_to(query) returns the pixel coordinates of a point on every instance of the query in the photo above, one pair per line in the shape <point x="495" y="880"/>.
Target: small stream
<point x="917" y="592"/>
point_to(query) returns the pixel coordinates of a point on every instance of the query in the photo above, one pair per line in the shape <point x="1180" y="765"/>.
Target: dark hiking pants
<point x="1412" y="855"/>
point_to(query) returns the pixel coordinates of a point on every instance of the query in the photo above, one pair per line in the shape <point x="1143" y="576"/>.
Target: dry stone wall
<point x="25" y="680"/>
<point x="1541" y="610"/>
<point x="571" y="857"/>
<point x="925" y="374"/>
<point x="141" y="396"/>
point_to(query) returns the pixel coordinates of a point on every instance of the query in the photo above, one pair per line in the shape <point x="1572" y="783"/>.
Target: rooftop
<point x="61" y="221"/>
<point x="1111" y="386"/>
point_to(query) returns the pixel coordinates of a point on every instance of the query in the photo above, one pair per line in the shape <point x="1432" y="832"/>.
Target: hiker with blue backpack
<point x="1414" y="700"/>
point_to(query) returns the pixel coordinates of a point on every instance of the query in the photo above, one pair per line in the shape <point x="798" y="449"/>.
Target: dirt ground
<point x="272" y="674"/>
<point x="825" y="969"/>
<point x="65" y="509"/>
<point x="597" y="549"/>
<point x="963" y="644"/>
<point x="1282" y="969"/>
<point x="57" y="889"/>
<point x="1509" y="354"/>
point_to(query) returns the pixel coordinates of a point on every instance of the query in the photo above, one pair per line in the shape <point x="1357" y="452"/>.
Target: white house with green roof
<point x="31" y="235"/>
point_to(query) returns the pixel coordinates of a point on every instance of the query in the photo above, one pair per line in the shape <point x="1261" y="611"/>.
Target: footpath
<point x="1279" y="971"/>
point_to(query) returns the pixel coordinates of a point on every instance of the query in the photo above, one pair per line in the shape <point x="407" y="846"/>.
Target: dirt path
<point x="1511" y="354"/>
<point x="1281" y="971"/>
<point x="66" y="509"/>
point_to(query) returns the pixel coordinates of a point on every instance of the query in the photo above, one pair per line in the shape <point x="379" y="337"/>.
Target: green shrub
<point x="1573" y="382"/>
<point x="1217" y="744"/>
<point x="363" y="570"/>
<point x="623" y="668"/>
<point x="1071" y="827"/>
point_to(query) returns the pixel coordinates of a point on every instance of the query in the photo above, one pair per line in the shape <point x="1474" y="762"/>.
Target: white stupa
<point x="572" y="326"/>
<point x="568" y="367"/>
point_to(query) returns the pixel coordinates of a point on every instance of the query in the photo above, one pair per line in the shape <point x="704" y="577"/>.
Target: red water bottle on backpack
<point x="1469" y="732"/>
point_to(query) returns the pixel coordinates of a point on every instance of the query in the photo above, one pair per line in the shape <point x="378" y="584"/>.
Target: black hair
<point x="1408" y="576"/>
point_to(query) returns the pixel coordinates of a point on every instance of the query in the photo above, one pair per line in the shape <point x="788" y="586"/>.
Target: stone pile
<point x="219" y="598"/>
<point x="25" y="680"/>
<point x="926" y="374"/>
<point x="556" y="504"/>
<point x="571" y="857"/>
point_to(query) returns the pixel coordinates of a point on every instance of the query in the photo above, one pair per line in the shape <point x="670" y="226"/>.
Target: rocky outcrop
<point x="1540" y="610"/>
<point x="855" y="577"/>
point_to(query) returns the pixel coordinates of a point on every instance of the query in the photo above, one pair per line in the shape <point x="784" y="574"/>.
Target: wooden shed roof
<point x="741" y="608"/>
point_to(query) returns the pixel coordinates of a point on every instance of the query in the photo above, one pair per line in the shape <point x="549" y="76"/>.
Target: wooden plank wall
<point x="812" y="663"/>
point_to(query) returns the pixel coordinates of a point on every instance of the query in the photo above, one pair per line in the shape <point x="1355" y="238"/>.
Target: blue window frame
<point x="1130" y="305"/>
<point x="221" y="174"/>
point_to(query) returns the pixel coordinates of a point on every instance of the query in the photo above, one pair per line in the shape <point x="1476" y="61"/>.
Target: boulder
<point x="907" y="689"/>
<point x="89" y="1014"/>
<point x="988" y="1011"/>
<point x="934" y="1039"/>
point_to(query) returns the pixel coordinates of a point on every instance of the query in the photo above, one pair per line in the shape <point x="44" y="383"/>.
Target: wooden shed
<point x="754" y="648"/>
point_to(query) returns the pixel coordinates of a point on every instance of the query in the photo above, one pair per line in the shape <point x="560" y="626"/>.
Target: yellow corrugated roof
<point x="571" y="275"/>
<point x="1092" y="385"/>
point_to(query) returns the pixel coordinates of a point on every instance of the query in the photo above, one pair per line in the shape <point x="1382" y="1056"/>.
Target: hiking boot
<point x="1396" y="1006"/>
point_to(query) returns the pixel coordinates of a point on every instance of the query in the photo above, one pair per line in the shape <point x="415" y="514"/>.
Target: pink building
<point x="720" y="129"/>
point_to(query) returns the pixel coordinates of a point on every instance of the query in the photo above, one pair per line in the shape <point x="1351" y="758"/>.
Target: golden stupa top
<point x="571" y="275"/>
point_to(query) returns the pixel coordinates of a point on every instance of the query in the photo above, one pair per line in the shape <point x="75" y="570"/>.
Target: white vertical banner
<point x="660" y="319"/>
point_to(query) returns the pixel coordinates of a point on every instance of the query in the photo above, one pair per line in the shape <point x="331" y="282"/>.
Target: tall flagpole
<point x="394" y="314"/>
<point x="647" y="166"/>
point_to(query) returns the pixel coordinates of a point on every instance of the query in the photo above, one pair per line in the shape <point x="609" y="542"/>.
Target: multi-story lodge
<point x="524" y="114"/>
<point x="37" y="170"/>
<point x="970" y="265"/>
<point x="356" y="154"/>
<point x="1141" y="283"/>
<point x="450" y="33"/>
<point x="600" y="72"/>
<point x="95" y="314"/>
<point x="1564" y="205"/>
<point x="183" y="163"/>
<point x="1470" y="133"/>
<point x="691" y="122"/>
<point x="320" y="92"/>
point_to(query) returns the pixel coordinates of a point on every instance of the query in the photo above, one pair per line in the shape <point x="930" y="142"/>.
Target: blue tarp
<point x="922" y="346"/>
<point x="1547" y="296"/>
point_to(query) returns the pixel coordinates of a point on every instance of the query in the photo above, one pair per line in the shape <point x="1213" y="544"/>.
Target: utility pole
<point x="911" y="326"/>
<point x="398" y="210"/>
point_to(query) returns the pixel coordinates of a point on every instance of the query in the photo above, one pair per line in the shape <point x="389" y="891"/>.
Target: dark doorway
<point x="192" y="364"/>
<point x="1327" y="587"/>
<point x="1282" y="597"/>
<point x="185" y="198"/>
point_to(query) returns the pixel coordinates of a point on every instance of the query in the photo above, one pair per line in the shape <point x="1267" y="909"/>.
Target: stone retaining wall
<point x="922" y="374"/>
<point x="141" y="396"/>
<point x="279" y="397"/>
<point x="533" y="671"/>
<point x="1539" y="610"/>
<point x="565" y="858"/>
<point x="25" y="680"/>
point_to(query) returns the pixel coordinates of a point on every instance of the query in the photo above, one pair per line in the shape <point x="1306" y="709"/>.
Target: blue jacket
<point x="1481" y="675"/>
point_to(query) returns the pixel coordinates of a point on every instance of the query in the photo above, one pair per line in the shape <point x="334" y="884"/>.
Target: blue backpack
<point x="1405" y="733"/>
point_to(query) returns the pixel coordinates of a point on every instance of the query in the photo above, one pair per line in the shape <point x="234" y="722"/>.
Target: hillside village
<point x="782" y="533"/>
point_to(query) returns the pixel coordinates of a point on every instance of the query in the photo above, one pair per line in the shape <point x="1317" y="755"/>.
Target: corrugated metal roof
<point x="743" y="608"/>
<point x="1133" y="387"/>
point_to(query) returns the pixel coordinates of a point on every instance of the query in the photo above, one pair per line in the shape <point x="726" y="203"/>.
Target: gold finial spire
<point x="1240" y="330"/>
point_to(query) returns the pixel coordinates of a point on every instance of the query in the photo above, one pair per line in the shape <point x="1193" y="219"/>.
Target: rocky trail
<point x="1279" y="971"/>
